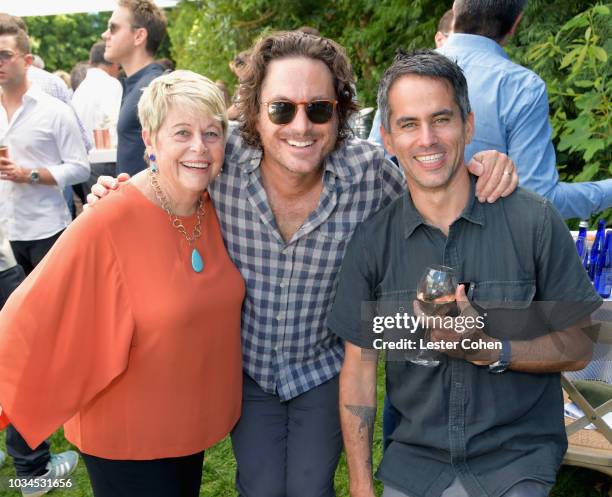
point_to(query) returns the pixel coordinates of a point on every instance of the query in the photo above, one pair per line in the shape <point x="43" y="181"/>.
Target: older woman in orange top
<point x="128" y="332"/>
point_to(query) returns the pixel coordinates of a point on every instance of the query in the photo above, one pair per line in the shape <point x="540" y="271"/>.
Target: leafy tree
<point x="64" y="40"/>
<point x="570" y="52"/>
<point x="574" y="61"/>
<point x="207" y="34"/>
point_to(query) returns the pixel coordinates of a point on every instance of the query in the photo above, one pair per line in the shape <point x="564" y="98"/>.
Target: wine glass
<point x="436" y="290"/>
<point x="436" y="297"/>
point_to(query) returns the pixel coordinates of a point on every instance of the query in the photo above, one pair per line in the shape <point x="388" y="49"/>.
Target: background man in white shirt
<point x="97" y="101"/>
<point x="46" y="153"/>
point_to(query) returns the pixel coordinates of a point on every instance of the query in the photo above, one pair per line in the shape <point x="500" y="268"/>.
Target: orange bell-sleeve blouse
<point x="116" y="336"/>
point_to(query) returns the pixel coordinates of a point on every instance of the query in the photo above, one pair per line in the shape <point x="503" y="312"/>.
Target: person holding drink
<point x="487" y="419"/>
<point x="133" y="339"/>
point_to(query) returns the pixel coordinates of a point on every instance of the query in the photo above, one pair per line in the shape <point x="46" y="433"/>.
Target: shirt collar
<point x="142" y="72"/>
<point x="96" y="72"/>
<point x="412" y="218"/>
<point x="471" y="43"/>
<point x="338" y="163"/>
<point x="34" y="93"/>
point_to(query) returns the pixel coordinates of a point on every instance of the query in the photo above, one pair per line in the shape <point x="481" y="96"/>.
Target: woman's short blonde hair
<point x="186" y="90"/>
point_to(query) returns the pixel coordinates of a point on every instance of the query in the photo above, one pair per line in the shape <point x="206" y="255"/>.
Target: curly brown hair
<point x="284" y="44"/>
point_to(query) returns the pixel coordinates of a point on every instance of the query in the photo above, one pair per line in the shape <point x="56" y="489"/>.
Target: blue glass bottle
<point x="597" y="247"/>
<point x="581" y="240"/>
<point x="603" y="273"/>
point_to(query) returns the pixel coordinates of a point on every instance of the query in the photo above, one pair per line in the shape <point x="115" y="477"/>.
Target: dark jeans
<point x="29" y="253"/>
<point x="287" y="449"/>
<point x="9" y="280"/>
<point x="27" y="462"/>
<point x="525" y="488"/>
<point x="169" y="477"/>
<point x="391" y="417"/>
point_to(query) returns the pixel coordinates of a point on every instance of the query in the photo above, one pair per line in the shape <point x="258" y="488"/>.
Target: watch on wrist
<point x="34" y="176"/>
<point x="501" y="365"/>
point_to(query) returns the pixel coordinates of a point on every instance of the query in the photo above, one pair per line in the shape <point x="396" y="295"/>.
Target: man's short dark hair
<point x="9" y="27"/>
<point x="17" y="20"/>
<point x="96" y="55"/>
<point x="490" y="18"/>
<point x="426" y="64"/>
<point x="147" y="15"/>
<point x="78" y="73"/>
<point x="445" y="24"/>
<point x="285" y="44"/>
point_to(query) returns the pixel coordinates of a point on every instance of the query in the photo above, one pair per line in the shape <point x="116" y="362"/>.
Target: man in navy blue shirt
<point x="135" y="31"/>
<point x="486" y="418"/>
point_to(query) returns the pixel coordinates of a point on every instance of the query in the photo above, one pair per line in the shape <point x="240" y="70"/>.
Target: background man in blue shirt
<point x="510" y="105"/>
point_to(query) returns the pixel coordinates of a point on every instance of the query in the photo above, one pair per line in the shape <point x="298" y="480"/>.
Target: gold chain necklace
<point x="197" y="263"/>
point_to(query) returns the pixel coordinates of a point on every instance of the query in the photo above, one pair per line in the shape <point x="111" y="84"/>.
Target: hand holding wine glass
<point x="459" y="339"/>
<point x="436" y="297"/>
<point x="436" y="291"/>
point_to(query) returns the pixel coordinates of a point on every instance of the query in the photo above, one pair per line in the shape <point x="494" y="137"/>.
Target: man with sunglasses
<point x="135" y="31"/>
<point x="294" y="186"/>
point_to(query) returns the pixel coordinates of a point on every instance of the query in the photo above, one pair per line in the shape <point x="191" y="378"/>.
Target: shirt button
<point x="282" y="285"/>
<point x="458" y="385"/>
<point x="280" y="317"/>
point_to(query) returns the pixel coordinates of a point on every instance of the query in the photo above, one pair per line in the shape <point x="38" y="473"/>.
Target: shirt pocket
<point x="503" y="294"/>
<point x="337" y="231"/>
<point x="509" y="309"/>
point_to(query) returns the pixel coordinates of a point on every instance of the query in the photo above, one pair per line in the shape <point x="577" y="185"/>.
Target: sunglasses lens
<point x="320" y="111"/>
<point x="281" y="112"/>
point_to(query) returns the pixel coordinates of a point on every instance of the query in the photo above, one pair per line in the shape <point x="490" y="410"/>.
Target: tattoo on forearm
<point x="366" y="415"/>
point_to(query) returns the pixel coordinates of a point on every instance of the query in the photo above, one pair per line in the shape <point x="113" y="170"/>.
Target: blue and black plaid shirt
<point x="287" y="348"/>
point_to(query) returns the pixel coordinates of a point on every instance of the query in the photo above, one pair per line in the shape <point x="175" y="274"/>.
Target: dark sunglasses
<point x="6" y="55"/>
<point x="113" y="27"/>
<point x="317" y="111"/>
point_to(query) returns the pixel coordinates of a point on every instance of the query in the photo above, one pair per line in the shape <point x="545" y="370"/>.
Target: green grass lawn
<point x="219" y="469"/>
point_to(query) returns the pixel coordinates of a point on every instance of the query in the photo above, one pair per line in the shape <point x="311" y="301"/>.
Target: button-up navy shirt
<point x="457" y="419"/>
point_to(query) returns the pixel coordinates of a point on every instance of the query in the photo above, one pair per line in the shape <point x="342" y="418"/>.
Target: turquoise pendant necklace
<point x="197" y="263"/>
